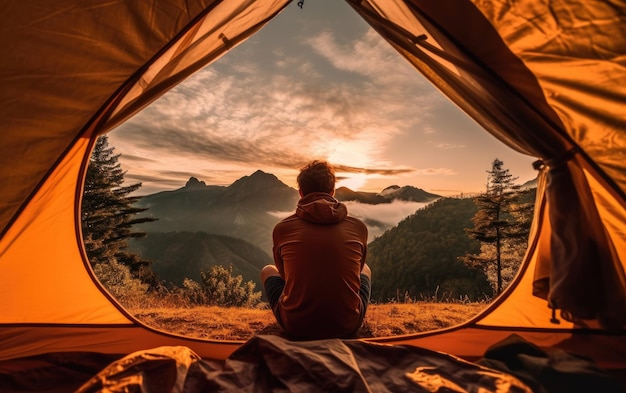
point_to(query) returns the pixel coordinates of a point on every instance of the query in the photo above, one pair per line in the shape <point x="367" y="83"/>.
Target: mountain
<point x="388" y="195"/>
<point x="248" y="208"/>
<point x="529" y="184"/>
<point x="200" y="225"/>
<point x="179" y="255"/>
<point x="263" y="191"/>
<point x="418" y="257"/>
<point x="245" y="209"/>
<point x="408" y="193"/>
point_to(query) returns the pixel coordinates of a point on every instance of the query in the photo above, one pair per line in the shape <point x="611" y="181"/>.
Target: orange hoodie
<point x="320" y="251"/>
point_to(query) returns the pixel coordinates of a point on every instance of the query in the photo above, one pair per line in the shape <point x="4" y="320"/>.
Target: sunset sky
<point x="315" y="83"/>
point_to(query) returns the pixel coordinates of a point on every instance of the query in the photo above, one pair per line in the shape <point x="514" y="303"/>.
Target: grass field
<point x="242" y="323"/>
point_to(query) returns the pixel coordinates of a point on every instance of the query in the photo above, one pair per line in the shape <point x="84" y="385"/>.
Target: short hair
<point x="317" y="176"/>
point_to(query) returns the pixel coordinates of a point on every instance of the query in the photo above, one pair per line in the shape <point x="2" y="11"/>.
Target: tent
<point x="546" y="78"/>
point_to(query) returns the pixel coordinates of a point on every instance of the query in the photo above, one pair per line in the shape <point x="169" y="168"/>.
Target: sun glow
<point x="353" y="181"/>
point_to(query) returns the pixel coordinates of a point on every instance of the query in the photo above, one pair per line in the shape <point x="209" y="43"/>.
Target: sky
<point x="315" y="83"/>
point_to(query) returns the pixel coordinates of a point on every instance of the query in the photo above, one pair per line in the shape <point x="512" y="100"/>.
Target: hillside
<point x="179" y="255"/>
<point x="242" y="210"/>
<point x="418" y="257"/>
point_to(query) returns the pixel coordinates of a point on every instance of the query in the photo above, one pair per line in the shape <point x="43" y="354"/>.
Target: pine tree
<point x="501" y="225"/>
<point x="107" y="213"/>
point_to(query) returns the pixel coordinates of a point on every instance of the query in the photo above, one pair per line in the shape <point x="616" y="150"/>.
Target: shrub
<point x="120" y="283"/>
<point x="221" y="288"/>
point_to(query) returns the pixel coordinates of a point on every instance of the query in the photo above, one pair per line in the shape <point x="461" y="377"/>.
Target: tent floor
<point x="52" y="372"/>
<point x="270" y="363"/>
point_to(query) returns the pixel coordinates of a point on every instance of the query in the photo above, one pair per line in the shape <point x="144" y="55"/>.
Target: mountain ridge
<point x="250" y="200"/>
<point x="247" y="210"/>
<point x="201" y="225"/>
<point x="387" y="195"/>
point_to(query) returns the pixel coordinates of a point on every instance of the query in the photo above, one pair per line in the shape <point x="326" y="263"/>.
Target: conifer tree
<point x="107" y="213"/>
<point x="501" y="225"/>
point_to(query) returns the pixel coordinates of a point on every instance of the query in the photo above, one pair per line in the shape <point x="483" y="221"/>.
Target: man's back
<point x="319" y="252"/>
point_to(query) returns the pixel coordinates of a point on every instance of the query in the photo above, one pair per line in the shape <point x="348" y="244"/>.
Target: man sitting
<point x="320" y="285"/>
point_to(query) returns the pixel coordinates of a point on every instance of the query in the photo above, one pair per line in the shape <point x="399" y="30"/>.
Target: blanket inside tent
<point x="274" y="364"/>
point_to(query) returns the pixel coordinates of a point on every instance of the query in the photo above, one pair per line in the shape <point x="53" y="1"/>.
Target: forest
<point x="418" y="259"/>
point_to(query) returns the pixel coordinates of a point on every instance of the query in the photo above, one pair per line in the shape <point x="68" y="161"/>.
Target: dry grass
<point x="241" y="323"/>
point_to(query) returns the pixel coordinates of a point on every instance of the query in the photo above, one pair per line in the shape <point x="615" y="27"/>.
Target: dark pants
<point x="274" y="286"/>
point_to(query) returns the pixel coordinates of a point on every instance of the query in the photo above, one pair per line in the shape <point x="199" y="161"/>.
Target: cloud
<point x="450" y="146"/>
<point x="370" y="56"/>
<point x="377" y="218"/>
<point x="137" y="159"/>
<point x="381" y="217"/>
<point x="153" y="183"/>
<point x="174" y="177"/>
<point x="384" y="73"/>
<point x="155" y="178"/>
<point x="280" y="215"/>
<point x="436" y="172"/>
<point x="371" y="171"/>
<point x="234" y="115"/>
<point x="162" y="141"/>
<point x="278" y="104"/>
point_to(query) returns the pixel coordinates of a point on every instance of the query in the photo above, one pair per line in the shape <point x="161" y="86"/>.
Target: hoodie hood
<point x="321" y="208"/>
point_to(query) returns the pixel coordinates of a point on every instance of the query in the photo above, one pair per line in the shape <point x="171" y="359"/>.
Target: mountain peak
<point x="258" y="177"/>
<point x="409" y="193"/>
<point x="257" y="184"/>
<point x="195" y="183"/>
<point x="389" y="190"/>
<point x="260" y="173"/>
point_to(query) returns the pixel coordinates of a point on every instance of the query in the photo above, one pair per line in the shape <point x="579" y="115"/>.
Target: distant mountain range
<point x="242" y="210"/>
<point x="197" y="219"/>
<point x="202" y="225"/>
<point x="248" y="209"/>
<point x="388" y="195"/>
<point x="529" y="185"/>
